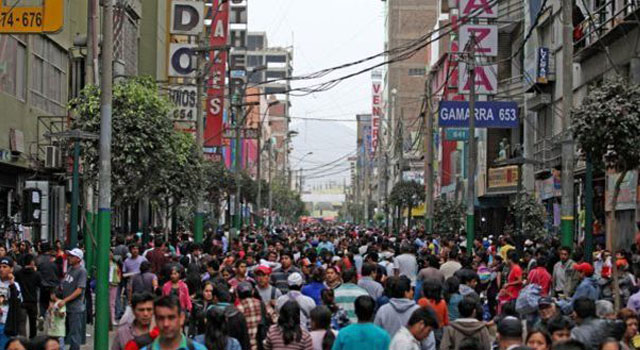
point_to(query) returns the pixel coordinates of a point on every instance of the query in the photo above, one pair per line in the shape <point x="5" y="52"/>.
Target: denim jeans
<point x="76" y="330"/>
<point x="3" y="337"/>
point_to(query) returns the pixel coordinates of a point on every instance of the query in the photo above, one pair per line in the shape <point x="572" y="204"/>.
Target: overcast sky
<point x="324" y="34"/>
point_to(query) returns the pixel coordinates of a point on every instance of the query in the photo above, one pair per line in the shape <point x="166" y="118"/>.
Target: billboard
<point x="187" y="17"/>
<point x="486" y="79"/>
<point x="491" y="114"/>
<point x="185" y="100"/>
<point x="213" y="127"/>
<point x="376" y="111"/>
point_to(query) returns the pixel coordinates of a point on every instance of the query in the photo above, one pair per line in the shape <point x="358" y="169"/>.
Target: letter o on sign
<point x="181" y="63"/>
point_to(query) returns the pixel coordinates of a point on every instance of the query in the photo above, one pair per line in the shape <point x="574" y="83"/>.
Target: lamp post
<point x="300" y="176"/>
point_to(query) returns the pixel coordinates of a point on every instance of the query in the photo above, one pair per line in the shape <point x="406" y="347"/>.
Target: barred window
<point x="13" y="66"/>
<point x="48" y="86"/>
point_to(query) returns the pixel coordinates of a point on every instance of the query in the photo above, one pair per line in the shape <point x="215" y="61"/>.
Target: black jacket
<point x="29" y="281"/>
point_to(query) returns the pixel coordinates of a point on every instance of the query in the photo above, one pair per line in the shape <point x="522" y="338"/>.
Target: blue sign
<point x="491" y="114"/>
<point x="542" y="74"/>
<point x="456" y="134"/>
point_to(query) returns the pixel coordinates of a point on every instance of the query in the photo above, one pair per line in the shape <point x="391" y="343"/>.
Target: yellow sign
<point x="46" y="19"/>
<point x="503" y="177"/>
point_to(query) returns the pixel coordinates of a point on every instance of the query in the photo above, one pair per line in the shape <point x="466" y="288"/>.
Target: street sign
<point x="48" y="18"/>
<point x="212" y="157"/>
<point x="454" y="134"/>
<point x="185" y="100"/>
<point x="244" y="133"/>
<point x="491" y="114"/>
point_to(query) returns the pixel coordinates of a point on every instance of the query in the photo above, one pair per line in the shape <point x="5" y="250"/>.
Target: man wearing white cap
<point x="73" y="288"/>
<point x="306" y="304"/>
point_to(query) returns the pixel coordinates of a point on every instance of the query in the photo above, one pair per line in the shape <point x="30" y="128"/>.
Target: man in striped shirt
<point x="348" y="292"/>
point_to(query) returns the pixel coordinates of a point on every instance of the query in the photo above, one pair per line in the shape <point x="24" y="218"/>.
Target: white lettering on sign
<point x="486" y="82"/>
<point x="485" y="38"/>
<point x="185" y="100"/>
<point x="376" y="110"/>
<point x="187" y="17"/>
<point x="462" y="114"/>
<point x="479" y="8"/>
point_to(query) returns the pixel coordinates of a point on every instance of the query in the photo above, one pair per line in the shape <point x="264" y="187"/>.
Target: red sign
<point x="215" y="92"/>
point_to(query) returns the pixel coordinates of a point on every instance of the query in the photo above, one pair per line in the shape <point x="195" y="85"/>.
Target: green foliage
<point x="448" y="217"/>
<point x="531" y="213"/>
<point x="218" y="180"/>
<point x="286" y="202"/>
<point x="607" y="124"/>
<point x="148" y="156"/>
<point x="407" y="194"/>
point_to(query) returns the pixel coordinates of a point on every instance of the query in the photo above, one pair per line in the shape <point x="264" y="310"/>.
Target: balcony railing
<point x="511" y="10"/>
<point x="548" y="152"/>
<point x="511" y="89"/>
<point x="605" y="24"/>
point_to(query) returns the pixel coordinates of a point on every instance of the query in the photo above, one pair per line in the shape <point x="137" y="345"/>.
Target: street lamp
<point x="300" y="178"/>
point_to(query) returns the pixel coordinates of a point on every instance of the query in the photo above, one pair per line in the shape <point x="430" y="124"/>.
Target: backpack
<point x="527" y="301"/>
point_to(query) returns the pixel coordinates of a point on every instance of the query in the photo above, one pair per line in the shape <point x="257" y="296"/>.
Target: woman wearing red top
<point x="540" y="276"/>
<point x="432" y="291"/>
<point x="511" y="289"/>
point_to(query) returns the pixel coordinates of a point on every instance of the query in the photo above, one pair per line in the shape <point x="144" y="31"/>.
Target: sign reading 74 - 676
<point x="47" y="18"/>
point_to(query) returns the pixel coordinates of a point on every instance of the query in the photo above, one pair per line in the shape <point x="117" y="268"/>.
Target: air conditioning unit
<point x="52" y="158"/>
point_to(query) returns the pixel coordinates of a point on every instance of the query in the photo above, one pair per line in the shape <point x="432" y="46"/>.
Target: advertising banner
<point x="213" y="127"/>
<point x="490" y="114"/>
<point x="503" y="177"/>
<point x="376" y="112"/>
<point x="628" y="191"/>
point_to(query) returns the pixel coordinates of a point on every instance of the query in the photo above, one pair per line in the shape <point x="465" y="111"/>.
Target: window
<point x="417" y="72"/>
<point x="13" y="74"/>
<point x="48" y="86"/>
<point x="276" y="58"/>
<point x="255" y="61"/>
<point x="275" y="75"/>
<point x="255" y="42"/>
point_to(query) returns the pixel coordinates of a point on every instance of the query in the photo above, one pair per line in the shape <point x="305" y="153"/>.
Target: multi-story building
<point x="364" y="162"/>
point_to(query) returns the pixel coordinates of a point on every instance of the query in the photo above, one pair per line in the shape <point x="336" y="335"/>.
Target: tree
<point x="448" y="217"/>
<point x="530" y="214"/>
<point x="144" y="141"/>
<point x="218" y="183"/>
<point x="407" y="194"/>
<point x="606" y="126"/>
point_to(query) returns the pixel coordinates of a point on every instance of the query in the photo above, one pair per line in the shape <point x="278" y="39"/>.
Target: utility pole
<point x="567" y="139"/>
<point x="428" y="158"/>
<point x="270" y="189"/>
<point x="104" y="178"/>
<point x="198" y="224"/>
<point x="366" y="186"/>
<point x="472" y="154"/>
<point x="238" y="160"/>
<point x="258" y="174"/>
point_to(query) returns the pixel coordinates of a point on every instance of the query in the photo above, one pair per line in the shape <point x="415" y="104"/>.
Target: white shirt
<point x="404" y="340"/>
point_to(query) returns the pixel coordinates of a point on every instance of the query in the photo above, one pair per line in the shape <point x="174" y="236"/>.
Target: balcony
<point x="547" y="152"/>
<point x="606" y="24"/>
<point x="511" y="89"/>
<point x="510" y="13"/>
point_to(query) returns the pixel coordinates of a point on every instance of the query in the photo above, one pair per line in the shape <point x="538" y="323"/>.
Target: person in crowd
<point x="268" y="293"/>
<point x="240" y="274"/>
<point x="170" y="319"/>
<point x="17" y="343"/>
<point x="538" y="339"/>
<point x="631" y="326"/>
<point x="406" y="263"/>
<point x="364" y="334"/>
<point x="73" y="297"/>
<point x="547" y="310"/>
<point x="332" y="277"/>
<point x="397" y="312"/>
<point x="216" y="335"/>
<point x="287" y="334"/>
<point x="178" y="288"/>
<point x="280" y="276"/>
<point x="54" y="322"/>
<point x="605" y="310"/>
<point x="433" y="298"/>
<point x="142" y="306"/>
<point x="560" y="328"/>
<point x="322" y="335"/>
<point x="451" y="266"/>
<point x="30" y="280"/>
<point x="49" y="274"/>
<point x="339" y="317"/>
<point x="561" y="273"/>
<point x="314" y="288"/>
<point x="452" y="297"/>
<point x="346" y="294"/>
<point x="158" y="256"/>
<point x="236" y="323"/>
<point x="590" y="330"/>
<point x="251" y="308"/>
<point x="540" y="276"/>
<point x="510" y="333"/>
<point x="466" y="326"/>
<point x="200" y="308"/>
<point x="511" y="289"/>
<point x="571" y="345"/>
<point x="588" y="286"/>
<point x="144" y="282"/>
<point x="431" y="272"/>
<point x="305" y="304"/>
<point x="421" y="324"/>
<point x="368" y="280"/>
<point x="131" y="265"/>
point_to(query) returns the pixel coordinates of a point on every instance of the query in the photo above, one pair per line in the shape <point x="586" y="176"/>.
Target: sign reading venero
<point x="491" y="114"/>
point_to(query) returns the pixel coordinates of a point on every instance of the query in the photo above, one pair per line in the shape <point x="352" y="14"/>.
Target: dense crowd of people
<point x="327" y="287"/>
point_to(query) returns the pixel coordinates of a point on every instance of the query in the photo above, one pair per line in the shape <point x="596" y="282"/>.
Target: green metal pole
<point x="198" y="229"/>
<point x="88" y="242"/>
<point x="101" y="338"/>
<point x="75" y="195"/>
<point x="588" y="207"/>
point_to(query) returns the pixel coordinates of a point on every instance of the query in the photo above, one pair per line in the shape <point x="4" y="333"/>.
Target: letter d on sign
<point x="187" y="17"/>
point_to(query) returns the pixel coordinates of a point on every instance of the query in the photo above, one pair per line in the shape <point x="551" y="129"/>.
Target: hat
<point x="6" y="261"/>
<point x="544" y="302"/>
<point x="77" y="252"/>
<point x="244" y="287"/>
<point x="262" y="269"/>
<point x="528" y="242"/>
<point x="294" y="279"/>
<point x="510" y="327"/>
<point x="585" y="268"/>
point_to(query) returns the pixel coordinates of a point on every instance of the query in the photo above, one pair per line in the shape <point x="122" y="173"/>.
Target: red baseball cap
<point x="263" y="269"/>
<point x="585" y="268"/>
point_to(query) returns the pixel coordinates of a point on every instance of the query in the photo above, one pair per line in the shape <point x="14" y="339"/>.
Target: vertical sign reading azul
<point x="216" y="83"/>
